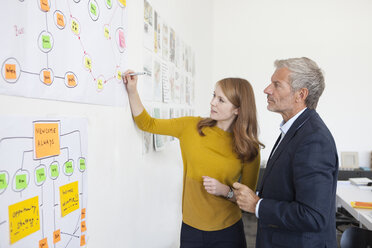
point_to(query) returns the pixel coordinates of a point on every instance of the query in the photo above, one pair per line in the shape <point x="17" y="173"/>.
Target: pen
<point x="137" y="73"/>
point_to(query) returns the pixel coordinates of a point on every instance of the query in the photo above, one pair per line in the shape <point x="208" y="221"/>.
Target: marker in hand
<point x="137" y="73"/>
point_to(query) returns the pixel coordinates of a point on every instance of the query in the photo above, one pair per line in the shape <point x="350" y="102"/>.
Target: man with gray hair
<point x="295" y="205"/>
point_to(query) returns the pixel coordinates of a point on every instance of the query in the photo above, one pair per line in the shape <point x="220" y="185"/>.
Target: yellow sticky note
<point x="82" y="240"/>
<point x="100" y="84"/>
<point x="44" y="4"/>
<point x="23" y="219"/>
<point x="46" y="139"/>
<point x="119" y="75"/>
<point x="47" y="79"/>
<point x="123" y="2"/>
<point x="107" y="32"/>
<point x="71" y="80"/>
<point x="69" y="195"/>
<point x="75" y="27"/>
<point x="83" y="213"/>
<point x="60" y="20"/>
<point x="43" y="243"/>
<point x="10" y="71"/>
<point x="83" y="226"/>
<point x="88" y="63"/>
<point x="56" y="236"/>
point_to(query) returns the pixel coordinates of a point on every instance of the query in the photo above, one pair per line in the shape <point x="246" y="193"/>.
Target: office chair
<point x="344" y="219"/>
<point x="355" y="237"/>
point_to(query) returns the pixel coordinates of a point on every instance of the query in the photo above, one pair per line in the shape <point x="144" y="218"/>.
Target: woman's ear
<point x="236" y="111"/>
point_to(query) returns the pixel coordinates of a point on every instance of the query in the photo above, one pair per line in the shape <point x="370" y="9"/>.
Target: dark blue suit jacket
<point x="299" y="188"/>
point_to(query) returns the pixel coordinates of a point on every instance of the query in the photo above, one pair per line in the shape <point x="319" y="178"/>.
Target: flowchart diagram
<point x="43" y="178"/>
<point x="67" y="50"/>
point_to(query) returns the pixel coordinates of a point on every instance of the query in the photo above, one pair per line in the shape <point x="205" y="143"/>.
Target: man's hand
<point x="245" y="197"/>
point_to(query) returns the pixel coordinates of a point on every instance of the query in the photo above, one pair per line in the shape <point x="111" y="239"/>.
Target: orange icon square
<point x="71" y="80"/>
<point x="44" y="4"/>
<point x="60" y="20"/>
<point x="47" y="79"/>
<point x="56" y="236"/>
<point x="10" y="71"/>
<point x="43" y="243"/>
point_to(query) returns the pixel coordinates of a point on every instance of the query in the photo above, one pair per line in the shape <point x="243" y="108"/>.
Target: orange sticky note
<point x="82" y="240"/>
<point x="10" y="71"/>
<point x="83" y="226"/>
<point x="46" y="139"/>
<point x="83" y="213"/>
<point x="71" y="80"/>
<point x="44" y="4"/>
<point x="56" y="236"/>
<point x="60" y="20"/>
<point x="47" y="79"/>
<point x="43" y="243"/>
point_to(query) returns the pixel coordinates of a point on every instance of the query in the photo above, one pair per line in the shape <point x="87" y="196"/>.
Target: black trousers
<point x="230" y="237"/>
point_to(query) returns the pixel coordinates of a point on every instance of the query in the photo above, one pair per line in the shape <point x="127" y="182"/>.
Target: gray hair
<point x="304" y="73"/>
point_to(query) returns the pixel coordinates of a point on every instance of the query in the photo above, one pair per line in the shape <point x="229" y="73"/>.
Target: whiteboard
<point x="64" y="50"/>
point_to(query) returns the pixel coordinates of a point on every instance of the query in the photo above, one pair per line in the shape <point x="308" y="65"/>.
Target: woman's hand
<point x="130" y="81"/>
<point x="214" y="187"/>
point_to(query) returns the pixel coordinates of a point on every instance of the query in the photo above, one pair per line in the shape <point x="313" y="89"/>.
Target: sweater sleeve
<point x="250" y="173"/>
<point x="171" y="127"/>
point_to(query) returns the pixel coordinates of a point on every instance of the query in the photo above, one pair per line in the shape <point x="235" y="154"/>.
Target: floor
<point x="250" y="226"/>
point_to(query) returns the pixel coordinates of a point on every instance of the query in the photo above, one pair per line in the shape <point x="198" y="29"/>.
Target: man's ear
<point x="302" y="94"/>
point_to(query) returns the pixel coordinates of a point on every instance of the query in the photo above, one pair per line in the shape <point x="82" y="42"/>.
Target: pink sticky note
<point x="121" y="39"/>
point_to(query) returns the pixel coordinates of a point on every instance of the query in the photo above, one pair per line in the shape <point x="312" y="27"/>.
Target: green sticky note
<point x="68" y="167"/>
<point x="82" y="164"/>
<point x="40" y="175"/>
<point x="46" y="41"/>
<point x="54" y="171"/>
<point x="93" y="9"/>
<point x="109" y="3"/>
<point x="3" y="182"/>
<point x="21" y="181"/>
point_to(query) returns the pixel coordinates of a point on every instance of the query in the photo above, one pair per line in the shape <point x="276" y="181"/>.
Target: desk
<point x="347" y="193"/>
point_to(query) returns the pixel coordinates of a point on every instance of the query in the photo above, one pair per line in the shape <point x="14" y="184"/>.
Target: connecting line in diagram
<point x="12" y="69"/>
<point x="29" y="216"/>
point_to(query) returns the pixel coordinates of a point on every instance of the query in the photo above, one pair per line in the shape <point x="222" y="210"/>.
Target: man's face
<point x="280" y="97"/>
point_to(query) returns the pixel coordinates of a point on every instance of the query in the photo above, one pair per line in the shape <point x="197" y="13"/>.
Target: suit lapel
<point x="299" y="122"/>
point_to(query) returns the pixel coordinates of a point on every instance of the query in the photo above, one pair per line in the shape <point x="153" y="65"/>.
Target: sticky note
<point x="43" y="243"/>
<point x="88" y="63"/>
<point x="44" y="4"/>
<point x="46" y="41"/>
<point x="46" y="139"/>
<point x="107" y="32"/>
<point x="83" y="213"/>
<point x="23" y="219"/>
<point x="69" y="169"/>
<point x="93" y="9"/>
<point x="10" y="71"/>
<point x="109" y="3"/>
<point x="56" y="236"/>
<point x="100" y="84"/>
<point x="123" y="2"/>
<point x="40" y="175"/>
<point x="21" y="181"/>
<point x="69" y="198"/>
<point x="82" y="240"/>
<point x="54" y="173"/>
<point x="121" y="39"/>
<point x="75" y="27"/>
<point x="3" y="182"/>
<point x="47" y="79"/>
<point x="82" y="164"/>
<point x="71" y="80"/>
<point x="119" y="75"/>
<point x="60" y="20"/>
<point x="83" y="226"/>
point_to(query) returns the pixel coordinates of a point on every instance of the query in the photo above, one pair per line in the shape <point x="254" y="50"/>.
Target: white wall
<point x="249" y="35"/>
<point x="133" y="200"/>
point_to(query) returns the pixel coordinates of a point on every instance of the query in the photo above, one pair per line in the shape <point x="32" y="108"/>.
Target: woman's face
<point x="222" y="110"/>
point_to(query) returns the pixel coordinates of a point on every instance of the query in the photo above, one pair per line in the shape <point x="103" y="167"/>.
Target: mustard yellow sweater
<point x="210" y="155"/>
